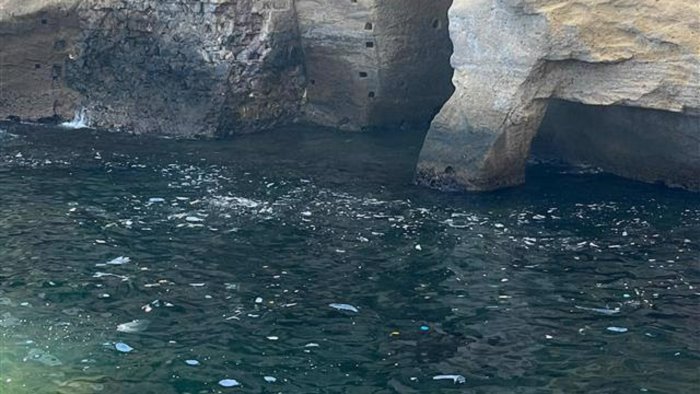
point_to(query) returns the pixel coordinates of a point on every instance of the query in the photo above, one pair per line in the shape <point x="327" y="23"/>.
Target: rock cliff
<point x="512" y="58"/>
<point x="214" y="67"/>
<point x="177" y="67"/>
<point x="608" y="83"/>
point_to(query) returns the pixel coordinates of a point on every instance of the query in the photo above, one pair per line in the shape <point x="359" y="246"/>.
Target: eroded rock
<point x="512" y="57"/>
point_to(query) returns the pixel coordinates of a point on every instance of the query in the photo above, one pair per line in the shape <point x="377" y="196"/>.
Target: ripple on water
<point x="234" y="258"/>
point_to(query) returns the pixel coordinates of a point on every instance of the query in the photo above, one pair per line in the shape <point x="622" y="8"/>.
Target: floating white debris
<point x="617" y="329"/>
<point x="270" y="379"/>
<point x="312" y="344"/>
<point x="121" y="260"/>
<point x="344" y="307"/>
<point x="604" y="311"/>
<point x="106" y="274"/>
<point x="156" y="200"/>
<point x="198" y="284"/>
<point x="192" y="363"/>
<point x="193" y="219"/>
<point x="418" y="247"/>
<point x="123" y="347"/>
<point x="228" y="383"/>
<point x="273" y="338"/>
<point x="455" y="378"/>
<point x="134" y="326"/>
<point x="259" y="300"/>
<point x="230" y="202"/>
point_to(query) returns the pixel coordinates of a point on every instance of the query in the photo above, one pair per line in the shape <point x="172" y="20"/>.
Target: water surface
<point x="233" y="252"/>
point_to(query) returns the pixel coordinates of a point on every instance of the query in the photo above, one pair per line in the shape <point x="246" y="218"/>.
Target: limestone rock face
<point x="178" y="67"/>
<point x="511" y="58"/>
<point x="214" y="67"/>
<point x="375" y="63"/>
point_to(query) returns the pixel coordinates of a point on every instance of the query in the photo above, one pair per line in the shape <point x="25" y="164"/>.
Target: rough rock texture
<point x="512" y="57"/>
<point x="213" y="67"/>
<point x="182" y="67"/>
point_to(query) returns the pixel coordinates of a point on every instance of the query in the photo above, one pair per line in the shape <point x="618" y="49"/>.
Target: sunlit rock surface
<point x="511" y="57"/>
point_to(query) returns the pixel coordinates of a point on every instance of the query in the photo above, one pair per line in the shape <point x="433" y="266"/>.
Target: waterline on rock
<point x="80" y="120"/>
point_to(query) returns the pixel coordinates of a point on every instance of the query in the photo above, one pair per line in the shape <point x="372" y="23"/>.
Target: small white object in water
<point x="121" y="260"/>
<point x="192" y="363"/>
<point x="259" y="300"/>
<point x="455" y="378"/>
<point x="134" y="326"/>
<point x="418" y="247"/>
<point x="156" y="200"/>
<point x="617" y="329"/>
<point x="270" y="379"/>
<point x="273" y="338"/>
<point x="193" y="219"/>
<point x="228" y="383"/>
<point x="123" y="347"/>
<point x="344" y="307"/>
<point x="605" y="311"/>
<point x="80" y="120"/>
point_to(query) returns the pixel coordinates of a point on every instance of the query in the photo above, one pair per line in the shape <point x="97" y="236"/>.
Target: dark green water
<point x="253" y="239"/>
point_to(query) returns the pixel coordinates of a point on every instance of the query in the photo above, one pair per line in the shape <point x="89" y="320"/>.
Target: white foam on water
<point x="80" y="120"/>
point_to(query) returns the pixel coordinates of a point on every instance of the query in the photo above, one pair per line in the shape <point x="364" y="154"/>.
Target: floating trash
<point x="617" y="329"/>
<point x="424" y="328"/>
<point x="121" y="260"/>
<point x="605" y="311"/>
<point x="123" y="347"/>
<point x="156" y="200"/>
<point x="192" y="363"/>
<point x="455" y="378"/>
<point x="228" y="383"/>
<point x="273" y="338"/>
<point x="134" y="326"/>
<point x="270" y="379"/>
<point x="344" y="307"/>
<point x="107" y="274"/>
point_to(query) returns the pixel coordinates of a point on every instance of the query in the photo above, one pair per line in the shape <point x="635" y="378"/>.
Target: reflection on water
<point x="138" y="265"/>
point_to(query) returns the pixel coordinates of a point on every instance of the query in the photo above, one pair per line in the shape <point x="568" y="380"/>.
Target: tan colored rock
<point x="216" y="67"/>
<point x="375" y="63"/>
<point x="512" y="57"/>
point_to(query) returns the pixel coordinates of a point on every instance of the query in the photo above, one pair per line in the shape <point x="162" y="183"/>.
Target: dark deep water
<point x="576" y="282"/>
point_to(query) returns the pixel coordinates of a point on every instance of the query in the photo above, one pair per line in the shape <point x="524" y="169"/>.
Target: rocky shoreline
<point x="601" y="84"/>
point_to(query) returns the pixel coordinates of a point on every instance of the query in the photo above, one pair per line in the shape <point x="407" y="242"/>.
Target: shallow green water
<point x="253" y="239"/>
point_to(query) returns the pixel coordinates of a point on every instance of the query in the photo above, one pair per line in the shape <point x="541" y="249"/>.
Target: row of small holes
<point x="368" y="44"/>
